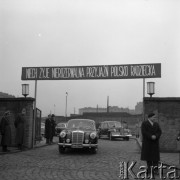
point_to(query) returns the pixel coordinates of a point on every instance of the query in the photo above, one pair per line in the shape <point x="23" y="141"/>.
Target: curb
<point x="18" y="151"/>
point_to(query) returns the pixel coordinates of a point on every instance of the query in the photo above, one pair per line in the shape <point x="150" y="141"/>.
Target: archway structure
<point x="127" y="71"/>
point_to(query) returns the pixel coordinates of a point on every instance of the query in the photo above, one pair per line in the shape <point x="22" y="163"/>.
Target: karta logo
<point x="164" y="172"/>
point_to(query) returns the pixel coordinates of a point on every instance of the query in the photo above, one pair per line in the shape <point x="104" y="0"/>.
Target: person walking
<point x="5" y="130"/>
<point x="151" y="133"/>
<point x="53" y="125"/>
<point x="19" y="125"/>
<point x="48" y="129"/>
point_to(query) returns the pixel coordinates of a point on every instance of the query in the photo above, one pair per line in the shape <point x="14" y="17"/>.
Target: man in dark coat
<point x="19" y="124"/>
<point x="53" y="125"/>
<point x="151" y="133"/>
<point x="48" y="129"/>
<point x="5" y="130"/>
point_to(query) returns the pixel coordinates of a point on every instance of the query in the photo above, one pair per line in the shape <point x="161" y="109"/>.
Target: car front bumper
<point x="69" y="145"/>
<point x="118" y="135"/>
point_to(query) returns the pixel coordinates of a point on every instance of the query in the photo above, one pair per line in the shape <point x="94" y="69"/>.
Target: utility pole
<point x="108" y="104"/>
<point x="66" y="106"/>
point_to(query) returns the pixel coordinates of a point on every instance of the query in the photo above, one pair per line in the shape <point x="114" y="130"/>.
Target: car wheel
<point x="126" y="138"/>
<point x="62" y="150"/>
<point x="110" y="136"/>
<point x="93" y="150"/>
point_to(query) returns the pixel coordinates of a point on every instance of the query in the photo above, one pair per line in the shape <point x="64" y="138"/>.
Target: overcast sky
<point x="89" y="32"/>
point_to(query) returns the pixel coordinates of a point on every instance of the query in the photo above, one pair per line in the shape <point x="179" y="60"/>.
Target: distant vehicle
<point x="59" y="127"/>
<point x="112" y="130"/>
<point x="42" y="129"/>
<point x="80" y="133"/>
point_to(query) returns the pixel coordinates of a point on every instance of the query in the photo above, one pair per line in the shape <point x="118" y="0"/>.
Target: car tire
<point x="126" y="138"/>
<point x="62" y="150"/>
<point x="93" y="150"/>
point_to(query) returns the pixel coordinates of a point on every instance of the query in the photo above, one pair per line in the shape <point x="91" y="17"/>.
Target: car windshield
<point x="114" y="124"/>
<point x="81" y="124"/>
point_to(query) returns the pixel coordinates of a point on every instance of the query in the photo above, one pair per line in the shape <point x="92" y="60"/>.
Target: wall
<point x="168" y="111"/>
<point x="15" y="106"/>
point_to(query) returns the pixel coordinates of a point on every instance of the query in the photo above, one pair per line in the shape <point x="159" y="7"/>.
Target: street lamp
<point x="66" y="105"/>
<point x="151" y="88"/>
<point x="25" y="90"/>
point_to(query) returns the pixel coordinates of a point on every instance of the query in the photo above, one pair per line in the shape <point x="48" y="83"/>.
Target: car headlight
<point x="68" y="140"/>
<point x="62" y="134"/>
<point x="93" y="135"/>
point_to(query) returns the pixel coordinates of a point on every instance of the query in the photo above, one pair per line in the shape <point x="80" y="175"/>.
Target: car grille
<point x="77" y="137"/>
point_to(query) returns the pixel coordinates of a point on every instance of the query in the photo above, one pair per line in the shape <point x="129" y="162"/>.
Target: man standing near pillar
<point x="151" y="133"/>
<point x="20" y="126"/>
<point x="53" y="125"/>
<point x="5" y="131"/>
<point x="48" y="129"/>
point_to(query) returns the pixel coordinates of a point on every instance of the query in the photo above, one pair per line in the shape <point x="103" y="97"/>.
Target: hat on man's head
<point x="52" y="115"/>
<point x="151" y="115"/>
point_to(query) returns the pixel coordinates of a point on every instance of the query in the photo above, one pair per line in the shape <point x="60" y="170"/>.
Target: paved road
<point x="46" y="162"/>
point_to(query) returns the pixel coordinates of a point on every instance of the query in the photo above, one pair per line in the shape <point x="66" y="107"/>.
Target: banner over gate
<point x="129" y="71"/>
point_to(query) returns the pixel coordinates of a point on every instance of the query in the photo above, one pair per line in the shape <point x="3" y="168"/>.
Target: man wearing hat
<point x="5" y="130"/>
<point x="53" y="125"/>
<point x="48" y="129"/>
<point x="151" y="133"/>
<point x="20" y="126"/>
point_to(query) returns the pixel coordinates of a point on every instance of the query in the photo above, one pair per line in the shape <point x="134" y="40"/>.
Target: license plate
<point x="76" y="146"/>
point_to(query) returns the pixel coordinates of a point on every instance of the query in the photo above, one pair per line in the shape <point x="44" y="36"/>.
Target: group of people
<point x="50" y="125"/>
<point x="5" y="130"/>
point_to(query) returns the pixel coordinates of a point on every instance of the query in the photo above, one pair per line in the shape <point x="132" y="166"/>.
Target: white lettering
<point x="119" y="71"/>
<point x="97" y="72"/>
<point x="31" y="73"/>
<point x="44" y="73"/>
<point x="143" y="70"/>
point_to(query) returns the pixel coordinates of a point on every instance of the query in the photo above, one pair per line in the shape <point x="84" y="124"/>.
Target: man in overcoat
<point x="151" y="133"/>
<point x="20" y="126"/>
<point x="48" y="129"/>
<point x="53" y="125"/>
<point x="5" y="130"/>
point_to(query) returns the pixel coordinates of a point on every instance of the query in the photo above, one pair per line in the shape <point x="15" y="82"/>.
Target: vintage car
<point x="59" y="127"/>
<point x="79" y="133"/>
<point x="112" y="130"/>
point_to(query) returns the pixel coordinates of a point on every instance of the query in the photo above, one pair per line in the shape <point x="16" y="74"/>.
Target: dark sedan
<point x="112" y="130"/>
<point x="80" y="133"/>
